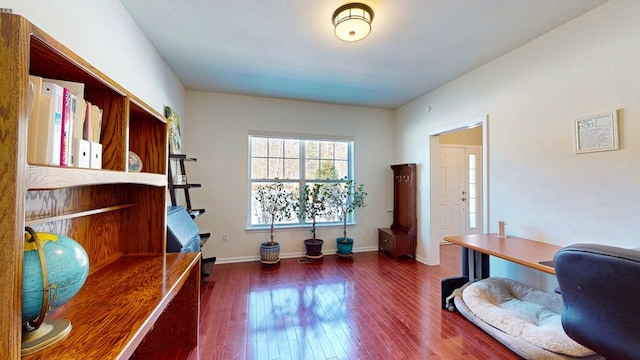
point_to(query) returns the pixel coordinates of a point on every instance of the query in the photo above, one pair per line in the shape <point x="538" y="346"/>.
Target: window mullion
<point x="302" y="162"/>
<point x="268" y="162"/>
<point x="284" y="155"/>
<point x="303" y="171"/>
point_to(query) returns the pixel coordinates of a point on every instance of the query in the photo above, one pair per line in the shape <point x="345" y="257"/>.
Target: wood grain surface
<point x="119" y="305"/>
<point x="521" y="251"/>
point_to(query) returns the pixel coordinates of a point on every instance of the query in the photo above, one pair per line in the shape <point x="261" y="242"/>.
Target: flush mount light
<point x="352" y="21"/>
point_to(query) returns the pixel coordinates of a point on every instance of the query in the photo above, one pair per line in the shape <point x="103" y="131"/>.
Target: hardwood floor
<point x="371" y="307"/>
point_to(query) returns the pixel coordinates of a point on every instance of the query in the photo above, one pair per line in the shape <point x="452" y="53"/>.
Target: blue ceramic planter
<point x="344" y="246"/>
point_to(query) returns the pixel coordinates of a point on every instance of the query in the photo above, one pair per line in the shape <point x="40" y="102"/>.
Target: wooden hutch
<point x="137" y="297"/>
<point x="400" y="239"/>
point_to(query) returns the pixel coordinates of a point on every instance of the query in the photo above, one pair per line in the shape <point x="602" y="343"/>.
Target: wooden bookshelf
<point x="137" y="298"/>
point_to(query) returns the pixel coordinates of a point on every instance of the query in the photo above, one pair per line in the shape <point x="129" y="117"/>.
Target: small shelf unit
<point x="181" y="170"/>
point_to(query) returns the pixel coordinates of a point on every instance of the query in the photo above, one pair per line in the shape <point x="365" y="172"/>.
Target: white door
<point x="460" y="190"/>
<point x="452" y="190"/>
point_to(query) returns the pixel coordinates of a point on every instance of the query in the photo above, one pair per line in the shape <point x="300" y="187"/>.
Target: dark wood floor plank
<point x="371" y="307"/>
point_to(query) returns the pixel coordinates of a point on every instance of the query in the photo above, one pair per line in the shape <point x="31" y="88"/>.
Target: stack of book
<point x="63" y="128"/>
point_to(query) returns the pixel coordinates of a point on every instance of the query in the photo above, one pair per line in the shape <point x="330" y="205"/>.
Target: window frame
<point x="300" y="181"/>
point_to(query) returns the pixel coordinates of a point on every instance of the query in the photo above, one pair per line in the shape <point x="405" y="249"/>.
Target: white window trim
<point x="302" y="137"/>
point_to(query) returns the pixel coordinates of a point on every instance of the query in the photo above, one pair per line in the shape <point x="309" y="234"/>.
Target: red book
<point x="86" y="132"/>
<point x="67" y="128"/>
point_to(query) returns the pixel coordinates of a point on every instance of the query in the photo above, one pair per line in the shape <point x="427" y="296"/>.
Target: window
<point x="296" y="162"/>
<point x="473" y="191"/>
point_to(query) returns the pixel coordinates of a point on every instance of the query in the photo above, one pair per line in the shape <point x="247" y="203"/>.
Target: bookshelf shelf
<point x="118" y="216"/>
<point x="73" y="215"/>
<point x="54" y="177"/>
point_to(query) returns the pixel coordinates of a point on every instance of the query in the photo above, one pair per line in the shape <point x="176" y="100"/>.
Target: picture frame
<point x="175" y="140"/>
<point x="597" y="133"/>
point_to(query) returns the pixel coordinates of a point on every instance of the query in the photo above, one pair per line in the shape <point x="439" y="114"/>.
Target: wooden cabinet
<point x="118" y="216"/>
<point x="396" y="243"/>
<point x="400" y="239"/>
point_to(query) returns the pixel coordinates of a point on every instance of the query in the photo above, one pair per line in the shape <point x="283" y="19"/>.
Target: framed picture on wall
<point x="597" y="133"/>
<point x="175" y="141"/>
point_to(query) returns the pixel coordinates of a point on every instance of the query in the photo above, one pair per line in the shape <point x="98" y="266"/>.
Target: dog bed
<point x="524" y="319"/>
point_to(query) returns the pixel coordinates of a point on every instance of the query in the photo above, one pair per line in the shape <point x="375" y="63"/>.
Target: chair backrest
<point x="600" y="288"/>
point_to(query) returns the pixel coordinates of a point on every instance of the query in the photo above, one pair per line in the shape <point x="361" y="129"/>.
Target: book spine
<point x="73" y="103"/>
<point x="66" y="134"/>
<point x="44" y="131"/>
<point x="86" y="131"/>
<point x="55" y="121"/>
<point x="35" y="88"/>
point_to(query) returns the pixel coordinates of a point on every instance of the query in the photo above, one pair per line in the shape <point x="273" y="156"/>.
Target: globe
<point x="67" y="266"/>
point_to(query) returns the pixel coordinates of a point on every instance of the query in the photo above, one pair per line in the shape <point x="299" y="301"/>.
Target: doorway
<point x="459" y="189"/>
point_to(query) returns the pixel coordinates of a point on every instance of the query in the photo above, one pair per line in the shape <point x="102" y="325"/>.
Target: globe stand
<point x="49" y="332"/>
<point x="36" y="333"/>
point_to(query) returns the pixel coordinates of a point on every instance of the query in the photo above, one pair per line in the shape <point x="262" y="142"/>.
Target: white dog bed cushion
<point x="525" y="314"/>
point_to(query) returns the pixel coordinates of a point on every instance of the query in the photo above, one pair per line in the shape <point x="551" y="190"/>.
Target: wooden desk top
<point x="119" y="304"/>
<point x="522" y="251"/>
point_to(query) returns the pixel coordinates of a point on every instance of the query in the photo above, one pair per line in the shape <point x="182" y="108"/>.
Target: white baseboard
<point x="241" y="259"/>
<point x="421" y="259"/>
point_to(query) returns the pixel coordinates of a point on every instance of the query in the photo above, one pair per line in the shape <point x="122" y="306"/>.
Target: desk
<point x="478" y="247"/>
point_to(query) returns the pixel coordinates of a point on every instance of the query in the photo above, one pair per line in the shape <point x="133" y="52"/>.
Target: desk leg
<point x="483" y="268"/>
<point x="471" y="265"/>
<point x="464" y="262"/>
<point x="475" y="265"/>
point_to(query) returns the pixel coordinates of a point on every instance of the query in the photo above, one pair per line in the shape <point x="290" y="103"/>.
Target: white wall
<point x="102" y="33"/>
<point x="217" y="134"/>
<point x="532" y="95"/>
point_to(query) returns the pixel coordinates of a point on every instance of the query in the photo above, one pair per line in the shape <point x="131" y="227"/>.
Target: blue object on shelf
<point x="182" y="232"/>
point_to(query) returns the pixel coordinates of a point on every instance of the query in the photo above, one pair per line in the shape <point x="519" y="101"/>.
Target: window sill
<point x="294" y="227"/>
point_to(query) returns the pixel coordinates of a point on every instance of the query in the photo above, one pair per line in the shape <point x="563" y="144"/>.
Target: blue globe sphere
<point x="67" y="267"/>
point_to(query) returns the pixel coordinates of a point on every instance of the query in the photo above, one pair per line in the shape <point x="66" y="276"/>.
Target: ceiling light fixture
<point x="352" y="21"/>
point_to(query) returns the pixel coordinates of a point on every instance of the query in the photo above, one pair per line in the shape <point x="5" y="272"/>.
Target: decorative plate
<point x="135" y="163"/>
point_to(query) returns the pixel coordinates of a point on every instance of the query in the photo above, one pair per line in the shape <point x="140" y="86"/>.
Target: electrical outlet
<point x="225" y="237"/>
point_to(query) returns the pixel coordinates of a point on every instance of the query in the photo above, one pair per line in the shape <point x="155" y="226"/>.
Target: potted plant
<point x="344" y="198"/>
<point x="311" y="204"/>
<point x="276" y="204"/>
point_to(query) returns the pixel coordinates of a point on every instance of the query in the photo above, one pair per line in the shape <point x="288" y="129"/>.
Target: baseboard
<point x="293" y="255"/>
<point x="421" y="259"/>
<point x="365" y="249"/>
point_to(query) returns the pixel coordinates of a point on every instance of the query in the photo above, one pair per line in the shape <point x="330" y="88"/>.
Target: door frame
<point x="433" y="255"/>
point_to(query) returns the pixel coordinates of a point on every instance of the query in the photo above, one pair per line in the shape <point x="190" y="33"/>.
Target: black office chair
<point x="600" y="288"/>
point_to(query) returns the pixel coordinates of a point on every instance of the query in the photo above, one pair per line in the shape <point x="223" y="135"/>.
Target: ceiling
<point x="287" y="49"/>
